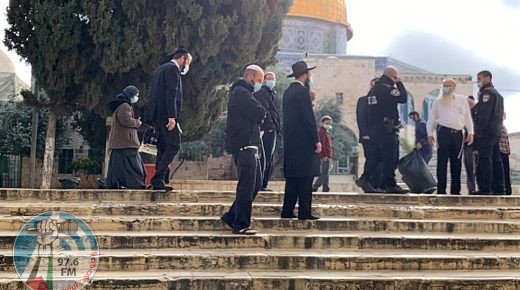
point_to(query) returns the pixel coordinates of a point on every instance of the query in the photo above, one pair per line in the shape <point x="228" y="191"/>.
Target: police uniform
<point x="382" y="119"/>
<point x="489" y="118"/>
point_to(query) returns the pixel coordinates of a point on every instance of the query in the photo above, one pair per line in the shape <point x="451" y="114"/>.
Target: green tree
<point x="84" y="52"/>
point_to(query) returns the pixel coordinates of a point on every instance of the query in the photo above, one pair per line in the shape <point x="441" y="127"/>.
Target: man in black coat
<point x="301" y="144"/>
<point x="271" y="125"/>
<point x="164" y="113"/>
<point x="245" y="114"/>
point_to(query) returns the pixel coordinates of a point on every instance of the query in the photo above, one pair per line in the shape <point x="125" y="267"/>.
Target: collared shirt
<point x="297" y="81"/>
<point x="456" y="115"/>
<point x="504" y="142"/>
<point x="175" y="62"/>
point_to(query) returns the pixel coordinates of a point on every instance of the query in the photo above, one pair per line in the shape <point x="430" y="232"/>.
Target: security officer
<point x="488" y="125"/>
<point x="383" y="126"/>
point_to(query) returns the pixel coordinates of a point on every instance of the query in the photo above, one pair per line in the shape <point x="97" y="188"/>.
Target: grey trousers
<point x="470" y="166"/>
<point x="323" y="180"/>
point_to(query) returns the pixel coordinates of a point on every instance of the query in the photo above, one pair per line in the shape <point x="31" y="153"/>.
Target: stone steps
<point x="331" y="198"/>
<point x="158" y="240"/>
<point x="334" y="280"/>
<point x="261" y="210"/>
<point x="182" y="223"/>
<point x="300" y="240"/>
<point x="295" y="260"/>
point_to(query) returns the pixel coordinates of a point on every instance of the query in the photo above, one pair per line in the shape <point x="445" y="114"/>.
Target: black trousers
<point x="469" y="165"/>
<point x="449" y="148"/>
<point x="490" y="171"/>
<point x="268" y="144"/>
<point x="382" y="157"/>
<point x="249" y="181"/>
<point x="298" y="189"/>
<point x="507" y="173"/>
<point x="168" y="145"/>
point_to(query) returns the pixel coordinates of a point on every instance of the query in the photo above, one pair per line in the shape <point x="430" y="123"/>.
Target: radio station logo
<point x="56" y="250"/>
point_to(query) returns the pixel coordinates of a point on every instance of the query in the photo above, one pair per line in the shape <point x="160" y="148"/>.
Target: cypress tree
<point x="84" y="52"/>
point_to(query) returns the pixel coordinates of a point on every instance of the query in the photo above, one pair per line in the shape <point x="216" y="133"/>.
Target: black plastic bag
<point x="416" y="173"/>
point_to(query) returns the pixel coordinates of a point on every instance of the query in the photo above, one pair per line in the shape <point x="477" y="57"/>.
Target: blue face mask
<point x="445" y="90"/>
<point x="270" y="84"/>
<point x="257" y="87"/>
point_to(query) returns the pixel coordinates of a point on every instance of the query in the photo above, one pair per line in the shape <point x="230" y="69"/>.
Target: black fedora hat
<point x="300" y="68"/>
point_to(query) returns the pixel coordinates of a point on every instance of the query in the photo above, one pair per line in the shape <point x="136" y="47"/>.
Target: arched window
<point x="406" y="108"/>
<point x="428" y="102"/>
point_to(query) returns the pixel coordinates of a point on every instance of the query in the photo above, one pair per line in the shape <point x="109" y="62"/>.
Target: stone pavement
<point x="157" y="240"/>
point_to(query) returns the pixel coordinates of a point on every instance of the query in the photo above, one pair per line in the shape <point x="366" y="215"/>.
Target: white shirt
<point x="456" y="115"/>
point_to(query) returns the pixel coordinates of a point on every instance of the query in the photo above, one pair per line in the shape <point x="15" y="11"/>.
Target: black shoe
<point x="288" y="216"/>
<point x="265" y="189"/>
<point x="396" y="189"/>
<point x="226" y="221"/>
<point x="326" y="190"/>
<point x="455" y="193"/>
<point x="499" y="193"/>
<point x="315" y="189"/>
<point x="365" y="186"/>
<point x="309" y="218"/>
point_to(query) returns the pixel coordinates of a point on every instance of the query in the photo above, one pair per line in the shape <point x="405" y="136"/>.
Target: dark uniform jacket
<point x="489" y="117"/>
<point x="267" y="98"/>
<point x="382" y="101"/>
<point x="361" y="117"/>
<point x="245" y="114"/>
<point x="166" y="96"/>
<point x="300" y="133"/>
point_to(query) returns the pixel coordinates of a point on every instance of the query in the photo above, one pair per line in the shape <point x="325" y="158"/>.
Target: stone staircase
<point x="157" y="240"/>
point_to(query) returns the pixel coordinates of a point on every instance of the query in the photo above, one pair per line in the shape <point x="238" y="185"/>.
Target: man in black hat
<point x="164" y="113"/>
<point x="301" y="144"/>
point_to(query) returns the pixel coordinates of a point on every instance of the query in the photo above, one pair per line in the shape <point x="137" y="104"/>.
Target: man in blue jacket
<point x="421" y="137"/>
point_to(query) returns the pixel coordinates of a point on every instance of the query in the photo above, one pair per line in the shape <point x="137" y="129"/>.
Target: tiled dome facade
<point x="316" y="26"/>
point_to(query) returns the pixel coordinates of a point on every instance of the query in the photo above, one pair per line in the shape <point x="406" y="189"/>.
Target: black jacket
<point x="166" y="95"/>
<point x="489" y="116"/>
<point x="383" y="99"/>
<point x="267" y="99"/>
<point x="245" y="114"/>
<point x="361" y="118"/>
<point x="300" y="133"/>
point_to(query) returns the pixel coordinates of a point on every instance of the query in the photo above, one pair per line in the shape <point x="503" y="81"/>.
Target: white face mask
<point x="480" y="85"/>
<point x="134" y="99"/>
<point x="185" y="70"/>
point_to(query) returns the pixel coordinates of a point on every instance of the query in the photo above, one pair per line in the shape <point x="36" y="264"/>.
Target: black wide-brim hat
<point x="300" y="68"/>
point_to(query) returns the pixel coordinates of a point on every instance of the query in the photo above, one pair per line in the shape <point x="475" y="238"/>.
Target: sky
<point x="442" y="36"/>
<point x="446" y="37"/>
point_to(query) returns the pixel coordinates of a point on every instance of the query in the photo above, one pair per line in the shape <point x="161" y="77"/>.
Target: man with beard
<point x="164" y="112"/>
<point x="489" y="118"/>
<point x="301" y="144"/>
<point x="449" y="115"/>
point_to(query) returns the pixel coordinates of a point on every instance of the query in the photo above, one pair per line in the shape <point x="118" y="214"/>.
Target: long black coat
<point x="166" y="96"/>
<point x="300" y="133"/>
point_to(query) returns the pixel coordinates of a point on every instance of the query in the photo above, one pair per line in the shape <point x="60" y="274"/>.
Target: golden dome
<point x="6" y="65"/>
<point x="327" y="10"/>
